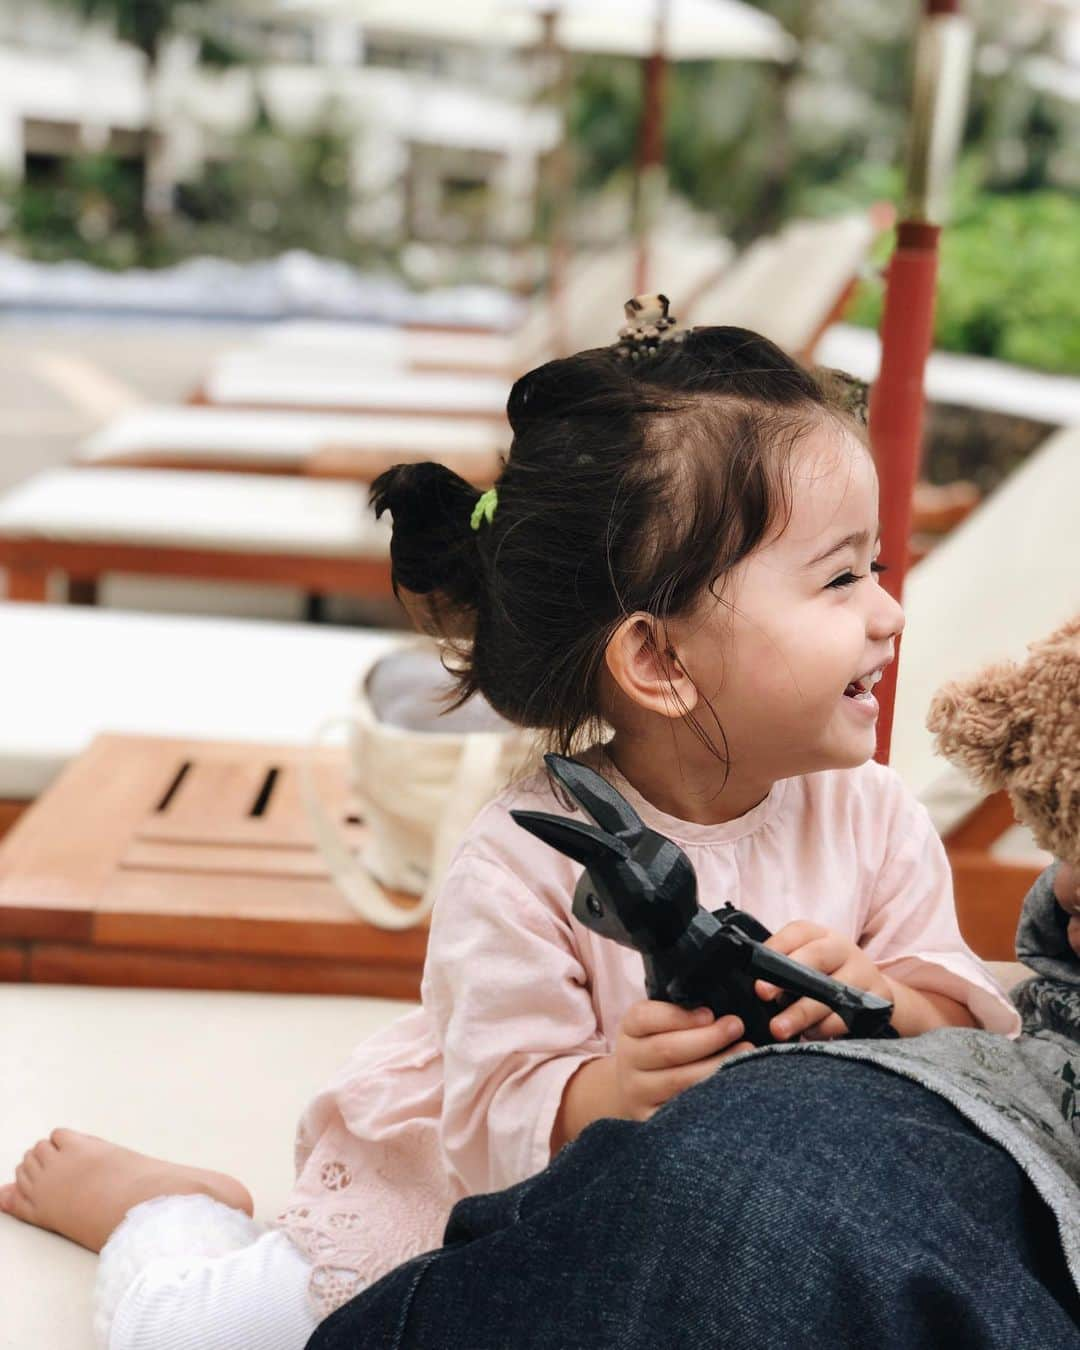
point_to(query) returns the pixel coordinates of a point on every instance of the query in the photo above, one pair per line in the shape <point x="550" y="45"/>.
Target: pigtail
<point x="433" y="548"/>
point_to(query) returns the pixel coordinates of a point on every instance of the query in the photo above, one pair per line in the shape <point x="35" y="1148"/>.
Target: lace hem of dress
<point x="352" y="1240"/>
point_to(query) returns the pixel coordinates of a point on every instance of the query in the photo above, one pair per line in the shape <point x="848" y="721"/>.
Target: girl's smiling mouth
<point x="864" y="684"/>
<point x="860" y="692"/>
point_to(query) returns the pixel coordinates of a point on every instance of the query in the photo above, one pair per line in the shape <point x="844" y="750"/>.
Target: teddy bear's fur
<point x="1016" y="725"/>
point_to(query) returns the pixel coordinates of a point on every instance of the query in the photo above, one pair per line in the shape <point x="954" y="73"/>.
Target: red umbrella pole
<point x="560" y="180"/>
<point x="939" y="102"/>
<point x="896" y="414"/>
<point x="649" y="185"/>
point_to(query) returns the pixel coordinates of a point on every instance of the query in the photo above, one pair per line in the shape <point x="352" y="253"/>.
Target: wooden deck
<point x="189" y="864"/>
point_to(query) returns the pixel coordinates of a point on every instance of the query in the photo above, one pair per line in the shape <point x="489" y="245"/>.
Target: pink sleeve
<point x="911" y="930"/>
<point x="511" y="1002"/>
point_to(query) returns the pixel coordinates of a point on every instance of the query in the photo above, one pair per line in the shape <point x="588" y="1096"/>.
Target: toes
<point x="61" y="1137"/>
<point x="44" y="1150"/>
<point x="13" y="1203"/>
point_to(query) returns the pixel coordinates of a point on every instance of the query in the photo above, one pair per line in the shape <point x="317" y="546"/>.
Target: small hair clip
<point x="648" y="320"/>
<point x="484" y="508"/>
<point x="847" y="392"/>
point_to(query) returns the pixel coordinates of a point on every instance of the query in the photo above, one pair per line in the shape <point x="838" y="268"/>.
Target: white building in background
<point x="446" y="144"/>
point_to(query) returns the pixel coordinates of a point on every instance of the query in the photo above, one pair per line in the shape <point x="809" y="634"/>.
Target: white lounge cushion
<point x="138" y="1067"/>
<point x="384" y="346"/>
<point x="786" y="286"/>
<point x="250" y="377"/>
<point x="246" y="513"/>
<point x="72" y="673"/>
<point x="1006" y="576"/>
<point x="135" y="1066"/>
<point x="969" y="381"/>
<point x="597" y="286"/>
<point x="283" y="438"/>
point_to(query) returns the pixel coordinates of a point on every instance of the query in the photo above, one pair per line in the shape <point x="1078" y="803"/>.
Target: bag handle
<point x="470" y="790"/>
<point x="352" y="878"/>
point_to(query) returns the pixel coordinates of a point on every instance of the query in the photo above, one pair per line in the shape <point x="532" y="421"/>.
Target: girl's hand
<point x="1067" y="891"/>
<point x="821" y="949"/>
<point x="662" y="1049"/>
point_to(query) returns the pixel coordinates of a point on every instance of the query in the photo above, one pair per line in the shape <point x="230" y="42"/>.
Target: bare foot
<point x="81" y="1186"/>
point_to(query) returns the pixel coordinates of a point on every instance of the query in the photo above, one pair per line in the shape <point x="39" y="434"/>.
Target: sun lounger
<point x="388" y="347"/>
<point x="93" y="1047"/>
<point x="266" y="400"/>
<point x="965" y="381"/>
<point x="406" y="371"/>
<point x="239" y="440"/>
<point x="788" y="285"/>
<point x="791" y="286"/>
<point x="318" y="536"/>
<point x="72" y="673"/>
<point x="138" y="1066"/>
<point x="242" y="379"/>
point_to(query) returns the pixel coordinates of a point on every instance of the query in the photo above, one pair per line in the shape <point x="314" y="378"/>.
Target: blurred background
<point x="176" y="176"/>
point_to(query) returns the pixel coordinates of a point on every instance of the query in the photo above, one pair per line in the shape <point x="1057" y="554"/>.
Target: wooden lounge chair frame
<point x="29" y="560"/>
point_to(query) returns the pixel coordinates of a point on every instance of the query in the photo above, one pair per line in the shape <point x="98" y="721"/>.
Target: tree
<point x="148" y="25"/>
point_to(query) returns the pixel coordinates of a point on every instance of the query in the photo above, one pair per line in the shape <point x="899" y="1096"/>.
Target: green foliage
<point x="91" y="209"/>
<point x="143" y="23"/>
<point x="274" y="190"/>
<point x="755" y="145"/>
<point x="1008" y="282"/>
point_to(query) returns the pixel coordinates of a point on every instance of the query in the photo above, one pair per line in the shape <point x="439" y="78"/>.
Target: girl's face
<point x="798" y="621"/>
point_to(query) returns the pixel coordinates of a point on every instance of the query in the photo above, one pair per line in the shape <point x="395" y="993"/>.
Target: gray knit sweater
<point x="1021" y="1093"/>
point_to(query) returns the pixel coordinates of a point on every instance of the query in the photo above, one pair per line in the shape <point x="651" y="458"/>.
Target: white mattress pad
<point x="72" y="673"/>
<point x="283" y="437"/>
<point x="233" y="512"/>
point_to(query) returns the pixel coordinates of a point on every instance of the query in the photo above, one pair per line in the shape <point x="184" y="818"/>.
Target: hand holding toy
<point x="640" y="889"/>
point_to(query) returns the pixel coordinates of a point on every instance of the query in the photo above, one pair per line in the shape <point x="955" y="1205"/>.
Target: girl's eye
<point x="849" y="578"/>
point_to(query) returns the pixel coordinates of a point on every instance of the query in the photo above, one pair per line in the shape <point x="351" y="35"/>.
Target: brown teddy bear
<point x="1016" y="725"/>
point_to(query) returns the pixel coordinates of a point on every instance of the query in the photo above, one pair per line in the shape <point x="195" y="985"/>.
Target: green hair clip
<point x="485" y="508"/>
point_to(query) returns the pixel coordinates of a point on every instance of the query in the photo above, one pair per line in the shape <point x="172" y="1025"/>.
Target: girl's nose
<point x="888" y="616"/>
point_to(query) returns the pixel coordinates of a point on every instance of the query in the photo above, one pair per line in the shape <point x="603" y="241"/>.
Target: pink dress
<point x="460" y="1096"/>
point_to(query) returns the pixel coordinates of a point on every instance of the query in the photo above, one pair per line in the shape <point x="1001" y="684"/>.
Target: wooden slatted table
<point x="190" y="864"/>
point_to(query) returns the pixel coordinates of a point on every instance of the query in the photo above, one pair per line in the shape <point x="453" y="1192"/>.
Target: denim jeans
<point x="789" y="1201"/>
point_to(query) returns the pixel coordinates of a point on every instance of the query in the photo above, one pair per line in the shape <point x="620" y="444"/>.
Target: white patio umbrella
<point x="695" y="30"/>
<point x="656" y="31"/>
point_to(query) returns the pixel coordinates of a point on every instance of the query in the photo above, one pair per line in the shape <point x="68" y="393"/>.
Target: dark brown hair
<point x="630" y="485"/>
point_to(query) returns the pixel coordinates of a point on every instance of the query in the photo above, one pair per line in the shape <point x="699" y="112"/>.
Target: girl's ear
<point x="646" y="668"/>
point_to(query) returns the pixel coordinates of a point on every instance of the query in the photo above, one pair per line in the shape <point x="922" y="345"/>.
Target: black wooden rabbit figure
<point x="639" y="888"/>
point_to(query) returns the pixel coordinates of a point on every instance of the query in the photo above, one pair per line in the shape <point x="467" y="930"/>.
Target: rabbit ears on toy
<point x="618" y="826"/>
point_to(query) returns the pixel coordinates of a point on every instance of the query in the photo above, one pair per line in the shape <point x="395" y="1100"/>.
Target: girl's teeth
<point x="865" y="685"/>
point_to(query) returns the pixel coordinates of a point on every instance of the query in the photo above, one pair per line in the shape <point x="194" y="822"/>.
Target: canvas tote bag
<point x="418" y="776"/>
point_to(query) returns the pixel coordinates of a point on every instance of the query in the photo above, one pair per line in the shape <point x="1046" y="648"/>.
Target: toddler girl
<point x="676" y="579"/>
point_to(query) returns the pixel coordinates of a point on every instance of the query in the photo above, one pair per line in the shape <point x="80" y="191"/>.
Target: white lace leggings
<point x="184" y="1272"/>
